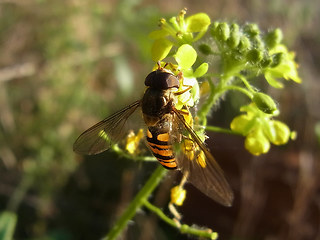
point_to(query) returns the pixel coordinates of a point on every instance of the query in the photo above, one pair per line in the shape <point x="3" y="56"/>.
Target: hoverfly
<point x="166" y="127"/>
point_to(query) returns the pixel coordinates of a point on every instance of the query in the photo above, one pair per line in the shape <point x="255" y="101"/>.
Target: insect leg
<point x="183" y="91"/>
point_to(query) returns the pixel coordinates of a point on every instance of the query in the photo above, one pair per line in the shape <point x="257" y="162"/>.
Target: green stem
<point x="246" y="83"/>
<point x="211" y="100"/>
<point x="137" y="202"/>
<point x="221" y="130"/>
<point x="160" y="214"/>
<point x="217" y="91"/>
<point x="207" y="233"/>
<point x="240" y="89"/>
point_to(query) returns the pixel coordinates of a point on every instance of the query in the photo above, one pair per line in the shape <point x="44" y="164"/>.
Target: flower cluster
<point x="174" y="39"/>
<point x="245" y="53"/>
<point x="248" y="51"/>
<point x="260" y="129"/>
<point x="178" y="31"/>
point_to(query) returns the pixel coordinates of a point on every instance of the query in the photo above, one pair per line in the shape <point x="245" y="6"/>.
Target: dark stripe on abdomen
<point x="156" y="141"/>
<point x="162" y="150"/>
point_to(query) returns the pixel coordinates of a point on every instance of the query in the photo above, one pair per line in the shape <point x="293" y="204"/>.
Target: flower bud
<point x="251" y="29"/>
<point x="256" y="143"/>
<point x="242" y="124"/>
<point x="205" y="49"/>
<point x="277" y="59"/>
<point x="255" y="56"/>
<point x="264" y="102"/>
<point x="234" y="38"/>
<point x="266" y="61"/>
<point x="258" y="43"/>
<point x="221" y="31"/>
<point x="282" y="133"/>
<point x="273" y="38"/>
<point x="244" y="44"/>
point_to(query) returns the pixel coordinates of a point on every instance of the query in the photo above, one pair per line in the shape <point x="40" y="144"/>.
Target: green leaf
<point x="8" y="222"/>
<point x="198" y="22"/>
<point x="186" y="56"/>
<point x="160" y="49"/>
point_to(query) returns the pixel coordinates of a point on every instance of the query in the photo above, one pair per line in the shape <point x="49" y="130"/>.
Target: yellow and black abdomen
<point x="161" y="147"/>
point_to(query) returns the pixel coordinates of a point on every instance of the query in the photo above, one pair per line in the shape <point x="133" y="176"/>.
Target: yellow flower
<point x="133" y="141"/>
<point x="260" y="129"/>
<point x="178" y="195"/>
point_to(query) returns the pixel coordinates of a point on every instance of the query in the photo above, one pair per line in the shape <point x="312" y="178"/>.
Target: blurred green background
<point x="64" y="65"/>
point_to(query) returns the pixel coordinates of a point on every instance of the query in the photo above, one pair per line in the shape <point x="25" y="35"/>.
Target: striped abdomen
<point x="161" y="148"/>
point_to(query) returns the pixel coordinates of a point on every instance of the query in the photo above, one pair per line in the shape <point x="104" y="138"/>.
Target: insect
<point x="166" y="129"/>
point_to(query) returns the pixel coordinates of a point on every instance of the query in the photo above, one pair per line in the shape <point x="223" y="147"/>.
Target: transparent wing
<point x="201" y="169"/>
<point x="100" y="136"/>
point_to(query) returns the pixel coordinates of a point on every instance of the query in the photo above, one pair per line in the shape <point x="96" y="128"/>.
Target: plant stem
<point x="160" y="214"/>
<point x="246" y="83"/>
<point x="240" y="89"/>
<point x="221" y="130"/>
<point x="136" y="203"/>
<point x="217" y="91"/>
<point x="211" y="100"/>
<point x="207" y="233"/>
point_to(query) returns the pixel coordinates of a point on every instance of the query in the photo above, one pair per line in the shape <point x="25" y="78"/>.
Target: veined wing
<point x="100" y="136"/>
<point x="201" y="168"/>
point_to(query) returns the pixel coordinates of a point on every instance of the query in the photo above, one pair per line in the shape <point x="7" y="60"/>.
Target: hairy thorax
<point x="157" y="105"/>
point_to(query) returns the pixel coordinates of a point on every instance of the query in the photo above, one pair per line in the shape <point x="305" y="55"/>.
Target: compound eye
<point x="161" y="80"/>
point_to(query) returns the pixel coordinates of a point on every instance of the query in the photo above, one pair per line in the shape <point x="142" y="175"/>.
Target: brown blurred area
<point x="66" y="64"/>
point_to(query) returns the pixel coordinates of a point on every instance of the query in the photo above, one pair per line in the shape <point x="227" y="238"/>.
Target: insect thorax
<point x="156" y="104"/>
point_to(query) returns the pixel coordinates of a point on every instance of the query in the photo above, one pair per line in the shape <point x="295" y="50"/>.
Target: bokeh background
<point x="66" y="64"/>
